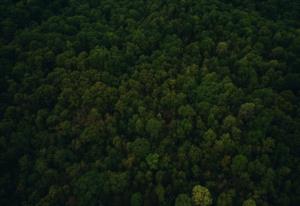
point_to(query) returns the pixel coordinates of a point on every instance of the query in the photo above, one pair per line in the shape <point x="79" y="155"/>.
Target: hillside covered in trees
<point x="145" y="103"/>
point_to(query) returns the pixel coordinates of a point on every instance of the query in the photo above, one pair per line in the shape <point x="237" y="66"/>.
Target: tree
<point x="209" y="137"/>
<point x="229" y="122"/>
<point x="183" y="200"/>
<point x="239" y="164"/>
<point x="246" y="111"/>
<point x="88" y="188"/>
<point x="115" y="182"/>
<point x="152" y="161"/>
<point x="160" y="193"/>
<point x="226" y="198"/>
<point x="249" y="202"/>
<point x="194" y="154"/>
<point x="136" y="199"/>
<point x="207" y="45"/>
<point x="153" y="127"/>
<point x="186" y="111"/>
<point x="201" y="196"/>
<point x="222" y="48"/>
<point x="140" y="147"/>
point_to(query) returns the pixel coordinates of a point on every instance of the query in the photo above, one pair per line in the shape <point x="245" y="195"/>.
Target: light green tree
<point x="201" y="196"/>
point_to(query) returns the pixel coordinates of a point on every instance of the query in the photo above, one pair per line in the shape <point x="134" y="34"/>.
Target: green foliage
<point x="135" y="102"/>
<point x="222" y="48"/>
<point x="153" y="127"/>
<point x="226" y="198"/>
<point x="183" y="200"/>
<point x="152" y="161"/>
<point x="246" y="111"/>
<point x="140" y="147"/>
<point x="160" y="193"/>
<point x="239" y="164"/>
<point x="136" y="199"/>
<point x="89" y="187"/>
<point x="249" y="202"/>
<point x="201" y="196"/>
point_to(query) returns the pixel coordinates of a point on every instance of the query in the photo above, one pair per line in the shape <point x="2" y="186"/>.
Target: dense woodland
<point x="145" y="103"/>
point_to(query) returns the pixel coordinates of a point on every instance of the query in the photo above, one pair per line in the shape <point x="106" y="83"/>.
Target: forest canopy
<point x="143" y="103"/>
